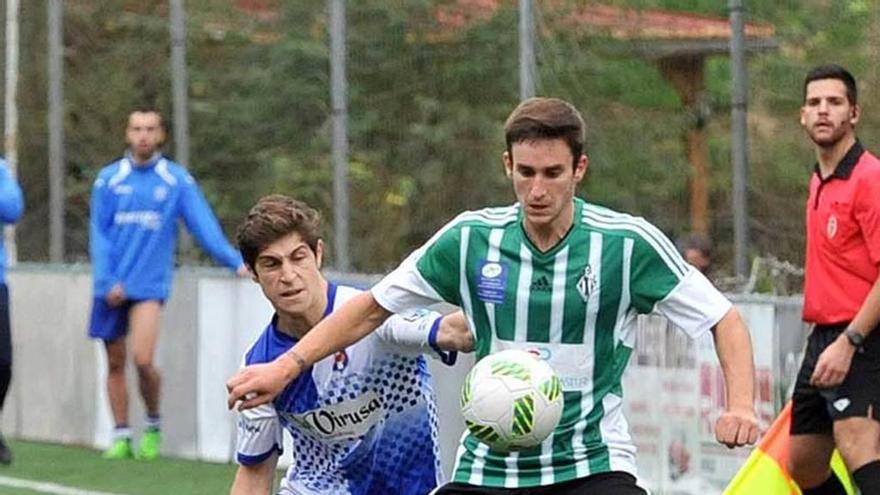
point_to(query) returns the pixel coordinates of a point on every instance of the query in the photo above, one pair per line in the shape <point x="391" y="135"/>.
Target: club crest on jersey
<point x="160" y="193"/>
<point x="588" y="283"/>
<point x="831" y="227"/>
<point x="340" y="361"/>
<point x="491" y="281"/>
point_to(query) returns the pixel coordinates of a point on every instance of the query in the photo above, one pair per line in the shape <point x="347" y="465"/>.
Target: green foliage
<point x="429" y="85"/>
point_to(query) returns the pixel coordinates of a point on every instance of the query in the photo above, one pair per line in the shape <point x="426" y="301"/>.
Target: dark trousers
<point x="5" y="344"/>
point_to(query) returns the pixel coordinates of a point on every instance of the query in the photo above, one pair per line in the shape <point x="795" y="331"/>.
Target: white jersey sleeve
<point x="259" y="435"/>
<point x="415" y="333"/>
<point x="695" y="305"/>
<point x="405" y="288"/>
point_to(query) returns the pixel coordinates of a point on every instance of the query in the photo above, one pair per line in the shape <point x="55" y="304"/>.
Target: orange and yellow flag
<point x="766" y="469"/>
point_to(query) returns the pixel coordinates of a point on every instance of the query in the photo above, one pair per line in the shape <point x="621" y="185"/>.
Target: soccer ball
<point x="511" y="400"/>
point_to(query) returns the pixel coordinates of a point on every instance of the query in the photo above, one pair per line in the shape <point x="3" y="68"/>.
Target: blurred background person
<point x="697" y="250"/>
<point x="11" y="208"/>
<point x="136" y="202"/>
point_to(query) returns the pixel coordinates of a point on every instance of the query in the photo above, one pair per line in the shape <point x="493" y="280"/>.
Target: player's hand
<point x="258" y="384"/>
<point x="737" y="427"/>
<point x="116" y="296"/>
<point x="454" y="334"/>
<point x="833" y="364"/>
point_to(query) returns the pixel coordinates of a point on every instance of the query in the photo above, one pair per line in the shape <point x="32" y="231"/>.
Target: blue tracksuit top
<point x="11" y="208"/>
<point x="133" y="231"/>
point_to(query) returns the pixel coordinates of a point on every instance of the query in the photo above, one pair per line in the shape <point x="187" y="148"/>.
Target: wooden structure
<point x="679" y="44"/>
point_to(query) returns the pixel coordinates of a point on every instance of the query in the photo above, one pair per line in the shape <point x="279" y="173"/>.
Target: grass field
<point x="74" y="470"/>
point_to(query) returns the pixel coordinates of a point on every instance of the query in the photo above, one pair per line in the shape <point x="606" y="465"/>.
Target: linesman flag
<point x="766" y="469"/>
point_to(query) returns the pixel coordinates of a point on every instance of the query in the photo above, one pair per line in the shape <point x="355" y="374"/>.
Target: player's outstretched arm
<point x="260" y="383"/>
<point x="738" y="425"/>
<point x="255" y="479"/>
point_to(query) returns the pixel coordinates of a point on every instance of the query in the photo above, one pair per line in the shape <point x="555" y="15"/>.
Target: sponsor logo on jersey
<point x="542" y="352"/>
<point x="248" y="427"/>
<point x="347" y="420"/>
<point x="123" y="189"/>
<point x="146" y="219"/>
<point x="491" y="269"/>
<point x="588" y="283"/>
<point x="415" y="315"/>
<point x="541" y="284"/>
<point x="491" y="281"/>
<point x="841" y="404"/>
<point x="574" y="382"/>
<point x="831" y="228"/>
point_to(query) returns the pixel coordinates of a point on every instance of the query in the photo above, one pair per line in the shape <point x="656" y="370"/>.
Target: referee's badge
<point x="587" y="283"/>
<point x="831" y="228"/>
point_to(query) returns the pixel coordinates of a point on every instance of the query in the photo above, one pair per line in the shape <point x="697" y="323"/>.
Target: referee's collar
<point x="844" y="169"/>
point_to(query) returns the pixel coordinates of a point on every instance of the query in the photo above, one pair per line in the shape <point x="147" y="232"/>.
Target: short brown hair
<point x="546" y="118"/>
<point x="272" y="218"/>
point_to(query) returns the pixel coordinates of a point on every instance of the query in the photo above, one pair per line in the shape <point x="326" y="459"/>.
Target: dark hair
<point x="546" y="118"/>
<point x="700" y="242"/>
<point x="834" y="71"/>
<point x="272" y="218"/>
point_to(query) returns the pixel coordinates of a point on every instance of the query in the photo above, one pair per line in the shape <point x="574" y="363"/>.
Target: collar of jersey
<point x="331" y="299"/>
<point x="576" y="218"/>
<point x="147" y="164"/>
<point x="290" y="339"/>
<point x="845" y="168"/>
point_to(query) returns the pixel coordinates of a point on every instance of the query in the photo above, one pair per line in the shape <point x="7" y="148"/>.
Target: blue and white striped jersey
<point x="363" y="421"/>
<point x="134" y="212"/>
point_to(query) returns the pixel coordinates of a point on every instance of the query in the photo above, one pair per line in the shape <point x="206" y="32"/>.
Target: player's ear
<point x="854" y="114"/>
<point x="319" y="253"/>
<point x="253" y="272"/>
<point x="580" y="167"/>
<point x="507" y="160"/>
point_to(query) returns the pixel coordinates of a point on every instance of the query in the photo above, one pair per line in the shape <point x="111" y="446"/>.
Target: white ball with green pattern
<point x="511" y="400"/>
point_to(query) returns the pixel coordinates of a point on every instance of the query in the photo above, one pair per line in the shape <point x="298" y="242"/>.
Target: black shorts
<point x="815" y="410"/>
<point x="610" y="483"/>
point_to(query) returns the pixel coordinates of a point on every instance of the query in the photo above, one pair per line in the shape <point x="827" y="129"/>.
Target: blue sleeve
<point x="203" y="225"/>
<point x="11" y="197"/>
<point x="100" y="223"/>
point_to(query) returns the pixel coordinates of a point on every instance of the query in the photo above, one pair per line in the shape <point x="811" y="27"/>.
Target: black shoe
<point x="5" y="453"/>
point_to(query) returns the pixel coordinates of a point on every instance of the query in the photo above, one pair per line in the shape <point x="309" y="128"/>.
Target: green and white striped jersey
<point x="575" y="304"/>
